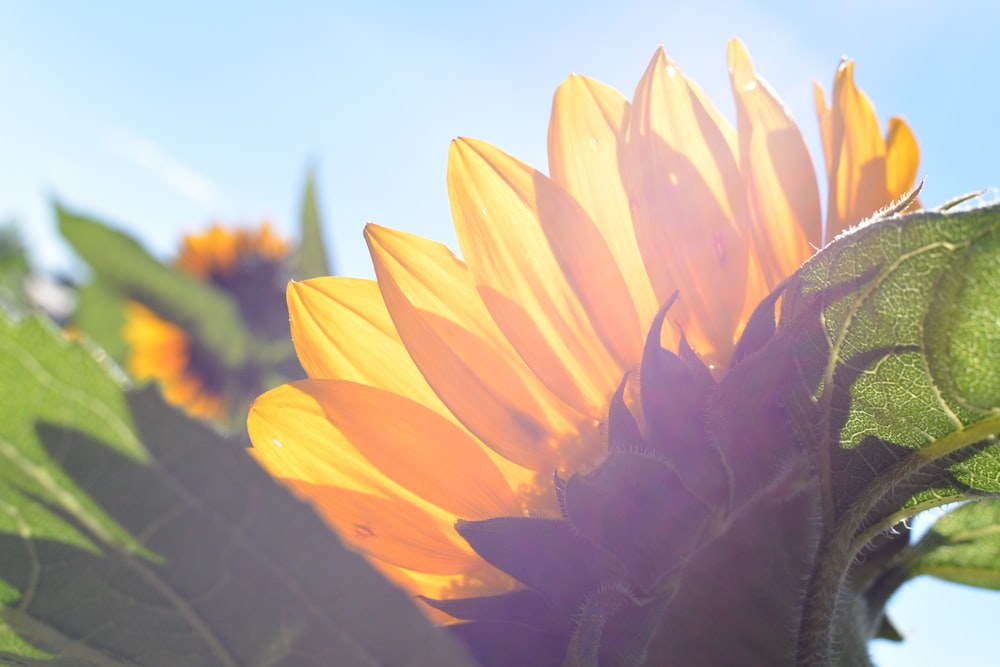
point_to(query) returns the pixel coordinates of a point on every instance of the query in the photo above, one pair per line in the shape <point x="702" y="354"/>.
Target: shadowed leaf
<point x="130" y="536"/>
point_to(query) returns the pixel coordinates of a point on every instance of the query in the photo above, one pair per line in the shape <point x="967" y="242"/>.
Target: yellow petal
<point x="341" y="329"/>
<point x="902" y="158"/>
<point x="688" y="207"/>
<point x="294" y="439"/>
<point x="394" y="532"/>
<point x="417" y="448"/>
<point x="503" y="211"/>
<point x="464" y="356"/>
<point x="777" y="169"/>
<point x="857" y="180"/>
<point x="586" y="131"/>
<point x="825" y="117"/>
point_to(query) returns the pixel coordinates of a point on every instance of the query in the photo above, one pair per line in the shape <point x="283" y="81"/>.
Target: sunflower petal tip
<point x="845" y="69"/>
<point x="736" y="52"/>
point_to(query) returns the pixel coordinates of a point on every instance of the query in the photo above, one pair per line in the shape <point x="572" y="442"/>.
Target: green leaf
<point x="311" y="260"/>
<point x="963" y="546"/>
<point x="130" y="535"/>
<point x="123" y="265"/>
<point x="14" y="268"/>
<point x="898" y="389"/>
<point x="890" y="396"/>
<point x="99" y="313"/>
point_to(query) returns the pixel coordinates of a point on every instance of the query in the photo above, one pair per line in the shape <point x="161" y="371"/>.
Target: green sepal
<point x="637" y="507"/>
<point x="543" y="554"/>
<point x="505" y="643"/>
<point x="584" y="647"/>
<point x="614" y="627"/>
<point x="886" y="630"/>
<point x="623" y="430"/>
<point x="525" y="606"/>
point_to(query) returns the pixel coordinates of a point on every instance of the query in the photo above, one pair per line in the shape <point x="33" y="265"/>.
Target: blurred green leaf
<point x="963" y="546"/>
<point x="311" y="260"/>
<point x="14" y="268"/>
<point x="130" y="536"/>
<point x="121" y="264"/>
<point x="99" y="313"/>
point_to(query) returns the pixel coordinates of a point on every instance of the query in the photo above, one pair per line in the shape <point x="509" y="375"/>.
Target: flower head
<point x="248" y="265"/>
<point x="453" y="388"/>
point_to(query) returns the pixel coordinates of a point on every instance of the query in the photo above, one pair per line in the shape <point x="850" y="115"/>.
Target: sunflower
<point x="248" y="265"/>
<point x="453" y="388"/>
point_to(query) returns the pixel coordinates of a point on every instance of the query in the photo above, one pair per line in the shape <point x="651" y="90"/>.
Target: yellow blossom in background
<point x="161" y="351"/>
<point x="243" y="262"/>
<point x="453" y="389"/>
<point x="220" y="251"/>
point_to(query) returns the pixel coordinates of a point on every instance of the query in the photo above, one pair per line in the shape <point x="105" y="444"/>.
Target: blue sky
<point x="165" y="118"/>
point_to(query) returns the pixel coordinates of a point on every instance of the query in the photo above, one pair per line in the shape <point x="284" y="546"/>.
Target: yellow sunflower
<point x="454" y="388"/>
<point x="245" y="263"/>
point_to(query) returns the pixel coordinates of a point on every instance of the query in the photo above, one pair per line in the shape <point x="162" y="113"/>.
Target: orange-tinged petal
<point x="857" y="179"/>
<point x="398" y="437"/>
<point x="485" y="581"/>
<point x="294" y="439"/>
<point x="780" y="181"/>
<point x="341" y="329"/>
<point x="902" y="158"/>
<point x="586" y="131"/>
<point x="824" y="114"/>
<point x="464" y="356"/>
<point x="498" y="205"/>
<point x="688" y="207"/>
<point x="395" y="532"/>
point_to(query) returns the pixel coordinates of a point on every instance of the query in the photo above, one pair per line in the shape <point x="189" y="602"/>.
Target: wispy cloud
<point x="173" y="173"/>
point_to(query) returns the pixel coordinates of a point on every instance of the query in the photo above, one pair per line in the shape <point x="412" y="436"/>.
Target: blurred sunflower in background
<point x="252" y="267"/>
<point x="452" y="388"/>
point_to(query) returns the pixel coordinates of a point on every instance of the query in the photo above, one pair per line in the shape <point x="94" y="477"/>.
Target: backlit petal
<point x="464" y="356"/>
<point x="780" y="181"/>
<point x="294" y="439"/>
<point x="498" y="204"/>
<point x="397" y="435"/>
<point x="586" y="133"/>
<point x="902" y="158"/>
<point x="688" y="207"/>
<point x="342" y="329"/>
<point x="394" y="532"/>
<point x="857" y="178"/>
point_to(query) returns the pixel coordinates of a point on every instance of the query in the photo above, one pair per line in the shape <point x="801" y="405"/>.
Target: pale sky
<point x="164" y="118"/>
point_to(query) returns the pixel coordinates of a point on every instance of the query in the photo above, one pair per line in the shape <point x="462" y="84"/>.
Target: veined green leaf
<point x="130" y="535"/>
<point x="311" y="260"/>
<point x="898" y="389"/>
<point x="963" y="546"/>
<point x="123" y="265"/>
